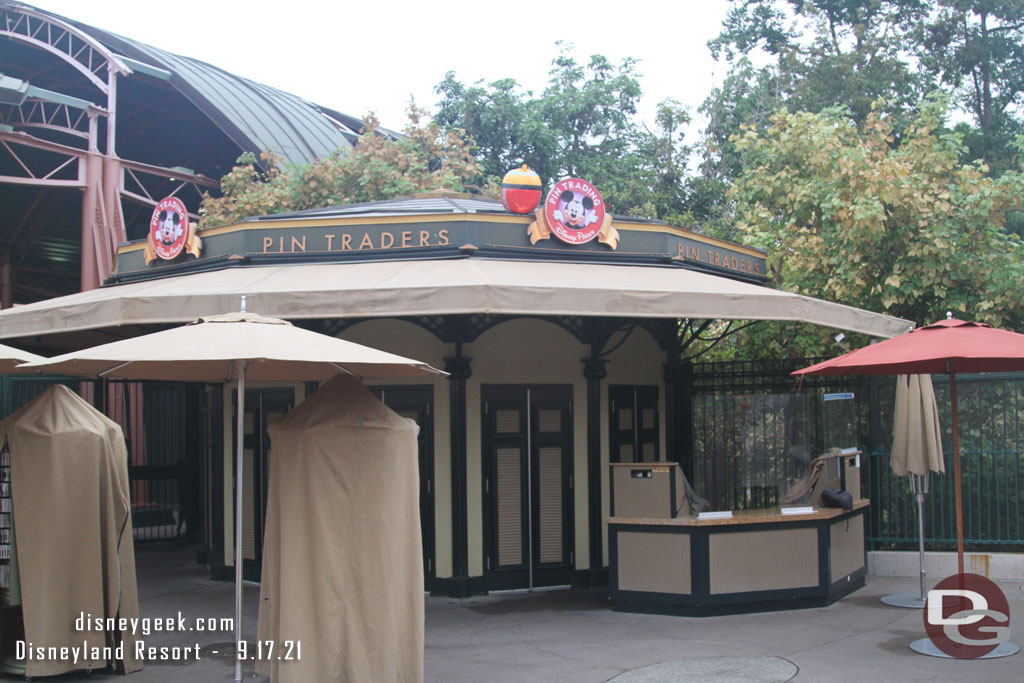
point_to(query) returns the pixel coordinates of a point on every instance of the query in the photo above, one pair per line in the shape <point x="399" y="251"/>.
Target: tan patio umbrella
<point x="916" y="451"/>
<point x="10" y="357"/>
<point x="245" y="345"/>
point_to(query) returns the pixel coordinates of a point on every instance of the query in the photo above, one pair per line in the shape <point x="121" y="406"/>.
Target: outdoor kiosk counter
<point x="756" y="560"/>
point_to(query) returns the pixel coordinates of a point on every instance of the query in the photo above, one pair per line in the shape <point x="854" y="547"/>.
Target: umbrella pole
<point x="239" y="471"/>
<point x="920" y="486"/>
<point x="957" y="492"/>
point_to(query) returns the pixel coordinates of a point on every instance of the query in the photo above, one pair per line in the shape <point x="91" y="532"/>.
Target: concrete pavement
<point x="576" y="636"/>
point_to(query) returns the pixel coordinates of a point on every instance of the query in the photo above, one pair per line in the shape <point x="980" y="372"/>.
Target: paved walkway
<point x="576" y="636"/>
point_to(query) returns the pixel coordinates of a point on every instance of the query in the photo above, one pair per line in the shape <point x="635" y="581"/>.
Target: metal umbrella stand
<point x="919" y="485"/>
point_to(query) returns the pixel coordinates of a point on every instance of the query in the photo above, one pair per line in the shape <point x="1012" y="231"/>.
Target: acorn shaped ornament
<point x="520" y="190"/>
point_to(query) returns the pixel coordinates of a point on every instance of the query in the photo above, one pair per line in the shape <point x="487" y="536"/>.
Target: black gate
<point x="162" y="430"/>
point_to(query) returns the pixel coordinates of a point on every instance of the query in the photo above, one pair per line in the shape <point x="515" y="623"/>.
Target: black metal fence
<point x="756" y="430"/>
<point x="163" y="440"/>
<point x="991" y="415"/>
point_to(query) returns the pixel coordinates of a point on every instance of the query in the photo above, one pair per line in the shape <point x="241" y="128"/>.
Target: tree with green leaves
<point x="975" y="48"/>
<point x="820" y="54"/>
<point x="506" y="129"/>
<point x="908" y="230"/>
<point x="583" y="124"/>
<point x="379" y="167"/>
<point x="830" y="52"/>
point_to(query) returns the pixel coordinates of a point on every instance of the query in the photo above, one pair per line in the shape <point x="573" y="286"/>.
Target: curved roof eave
<point x="254" y="116"/>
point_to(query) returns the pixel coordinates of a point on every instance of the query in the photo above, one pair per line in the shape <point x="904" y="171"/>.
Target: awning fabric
<point x="437" y="287"/>
<point x="73" y="529"/>
<point x="342" y="557"/>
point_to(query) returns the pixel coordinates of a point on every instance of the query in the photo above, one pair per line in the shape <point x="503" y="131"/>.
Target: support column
<point x="113" y="219"/>
<point x="91" y="213"/>
<point x="6" y="282"/>
<point x="594" y="371"/>
<point x="459" y="371"/>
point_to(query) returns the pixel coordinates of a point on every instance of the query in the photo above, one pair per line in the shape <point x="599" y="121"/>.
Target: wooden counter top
<point x="766" y="516"/>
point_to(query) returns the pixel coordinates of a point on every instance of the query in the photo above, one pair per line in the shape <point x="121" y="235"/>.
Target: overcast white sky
<point x="357" y="57"/>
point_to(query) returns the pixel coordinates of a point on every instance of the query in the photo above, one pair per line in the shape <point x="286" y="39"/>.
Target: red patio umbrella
<point x="948" y="346"/>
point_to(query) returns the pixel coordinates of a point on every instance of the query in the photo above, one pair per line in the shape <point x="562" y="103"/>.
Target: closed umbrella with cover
<point x="916" y="451"/>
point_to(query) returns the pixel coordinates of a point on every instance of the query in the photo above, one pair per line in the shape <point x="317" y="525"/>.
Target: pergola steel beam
<point x="43" y="115"/>
<point x="153" y="183"/>
<point x="105" y="178"/>
<point x="79" y="49"/>
<point x="10" y="141"/>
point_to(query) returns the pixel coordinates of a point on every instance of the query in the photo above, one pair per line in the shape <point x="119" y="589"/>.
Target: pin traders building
<point x="562" y="359"/>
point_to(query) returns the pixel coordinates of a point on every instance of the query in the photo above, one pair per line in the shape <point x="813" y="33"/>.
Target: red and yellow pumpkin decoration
<point x="520" y="190"/>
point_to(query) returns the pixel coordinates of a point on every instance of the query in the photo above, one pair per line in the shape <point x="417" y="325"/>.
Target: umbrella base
<point x="909" y="600"/>
<point x="925" y="646"/>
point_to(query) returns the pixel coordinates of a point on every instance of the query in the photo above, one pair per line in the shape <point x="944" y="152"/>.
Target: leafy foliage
<point x="829" y="52"/>
<point x="975" y="48"/>
<point x="909" y="230"/>
<point x="380" y="167"/>
<point x="584" y="125"/>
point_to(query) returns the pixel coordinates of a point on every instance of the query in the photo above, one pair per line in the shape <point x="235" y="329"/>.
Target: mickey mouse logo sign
<point x="574" y="211"/>
<point x="168" y="228"/>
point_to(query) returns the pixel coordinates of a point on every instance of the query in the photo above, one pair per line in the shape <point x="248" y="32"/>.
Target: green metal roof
<point x="255" y="116"/>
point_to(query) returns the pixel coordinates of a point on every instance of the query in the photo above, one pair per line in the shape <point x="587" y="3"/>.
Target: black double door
<point x="528" y="486"/>
<point x="633" y="424"/>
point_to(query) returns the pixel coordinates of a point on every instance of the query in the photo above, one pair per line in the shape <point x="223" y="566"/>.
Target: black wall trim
<point x="594" y="370"/>
<point x="459" y="370"/>
<point x="459" y="587"/>
<point x="590" y="578"/>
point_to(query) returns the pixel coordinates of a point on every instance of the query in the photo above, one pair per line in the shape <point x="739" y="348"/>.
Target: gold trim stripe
<point x="357" y="221"/>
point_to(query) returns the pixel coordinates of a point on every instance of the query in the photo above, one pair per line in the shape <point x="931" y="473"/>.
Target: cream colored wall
<point x="229" y="393"/>
<point x="525" y="351"/>
<point x="639" y="361"/>
<point x="412" y="341"/>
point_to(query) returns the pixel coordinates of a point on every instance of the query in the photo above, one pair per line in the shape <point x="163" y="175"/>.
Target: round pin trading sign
<point x="574" y="211"/>
<point x="168" y="228"/>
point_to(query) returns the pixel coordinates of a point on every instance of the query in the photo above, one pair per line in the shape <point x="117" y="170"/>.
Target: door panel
<point x="550" y="502"/>
<point x="527" y="486"/>
<point x="509" y="490"/>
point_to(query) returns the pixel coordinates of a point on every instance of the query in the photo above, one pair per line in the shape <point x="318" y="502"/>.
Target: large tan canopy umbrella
<point x="212" y="349"/>
<point x="916" y="451"/>
<point x="11" y="357"/>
